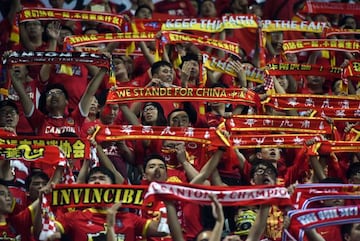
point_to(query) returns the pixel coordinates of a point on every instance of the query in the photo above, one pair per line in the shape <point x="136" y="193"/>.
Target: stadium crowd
<point x="246" y="113"/>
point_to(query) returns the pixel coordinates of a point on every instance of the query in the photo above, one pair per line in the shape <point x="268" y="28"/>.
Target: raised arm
<point x="25" y="100"/>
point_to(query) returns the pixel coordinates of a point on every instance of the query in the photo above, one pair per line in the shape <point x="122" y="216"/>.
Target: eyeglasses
<point x="262" y="171"/>
<point x="54" y="93"/>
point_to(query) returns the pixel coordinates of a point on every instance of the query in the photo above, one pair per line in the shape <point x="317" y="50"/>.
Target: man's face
<point x="99" y="178"/>
<point x="354" y="234"/>
<point x="194" y="71"/>
<point x="34" y="29"/>
<point x="55" y="99"/>
<point x="264" y="176"/>
<point x="165" y="74"/>
<point x="6" y="200"/>
<point x="109" y="113"/>
<point x="179" y="119"/>
<point x="269" y="154"/>
<point x="8" y="117"/>
<point x="20" y="71"/>
<point x="35" y="185"/>
<point x="155" y="170"/>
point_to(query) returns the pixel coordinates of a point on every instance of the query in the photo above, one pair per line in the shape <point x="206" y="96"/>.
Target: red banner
<point x="190" y="134"/>
<point x="316" y="102"/>
<point x="72" y="148"/>
<point x="28" y="14"/>
<point x="295" y="46"/>
<point x="79" y="40"/>
<point x="305" y="194"/>
<point x="303" y="69"/>
<point x="178" y="37"/>
<point x="32" y="153"/>
<point x="233" y="95"/>
<point x="240" y="141"/>
<point x="297" y="124"/>
<point x="331" y="8"/>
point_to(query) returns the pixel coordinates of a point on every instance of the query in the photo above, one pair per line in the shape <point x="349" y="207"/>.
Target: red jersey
<point x="73" y="78"/>
<point x="50" y="126"/>
<point x="22" y="222"/>
<point x="7" y="232"/>
<point x="89" y="225"/>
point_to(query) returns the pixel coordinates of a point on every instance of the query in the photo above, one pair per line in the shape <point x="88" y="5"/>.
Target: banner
<point x="79" y="40"/>
<point x="331" y="8"/>
<point x="305" y="194"/>
<point x="178" y="37"/>
<point x="223" y="66"/>
<point x="228" y="21"/>
<point x="113" y="52"/>
<point x="233" y="95"/>
<point x="72" y="148"/>
<point x="241" y="141"/>
<point x="228" y="196"/>
<point x="45" y="57"/>
<point x="190" y="134"/>
<point x="337" y="31"/>
<point x="28" y="14"/>
<point x="261" y="123"/>
<point x="33" y="153"/>
<point x="295" y="46"/>
<point x="319" y="217"/>
<point x="303" y="69"/>
<point x="316" y="102"/>
<point x="96" y="195"/>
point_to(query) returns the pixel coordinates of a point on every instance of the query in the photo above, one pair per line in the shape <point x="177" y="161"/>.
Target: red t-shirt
<point x="52" y="127"/>
<point x="90" y="223"/>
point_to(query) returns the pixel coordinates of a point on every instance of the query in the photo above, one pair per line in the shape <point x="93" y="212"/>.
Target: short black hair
<point x="42" y="99"/>
<point x="10" y="103"/>
<point x="141" y="7"/>
<point x="155" y="67"/>
<point x="33" y="175"/>
<point x="332" y="180"/>
<point x="258" y="162"/>
<point x="102" y="170"/>
<point x="154" y="156"/>
<point x="353" y="169"/>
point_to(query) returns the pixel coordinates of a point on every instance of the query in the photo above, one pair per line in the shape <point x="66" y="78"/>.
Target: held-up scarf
<point x="314" y="102"/>
<point x="31" y="153"/>
<point x="28" y="14"/>
<point x="295" y="46"/>
<point x="170" y="37"/>
<point x="228" y="196"/>
<point x="303" y="69"/>
<point x="221" y="65"/>
<point x="127" y="132"/>
<point x="305" y="194"/>
<point x="319" y="217"/>
<point x="228" y="21"/>
<point x="331" y="8"/>
<point x="34" y="147"/>
<point x="234" y="95"/>
<point x="261" y="123"/>
<point x="337" y="31"/>
<point x="45" y="57"/>
<point x="79" y="40"/>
